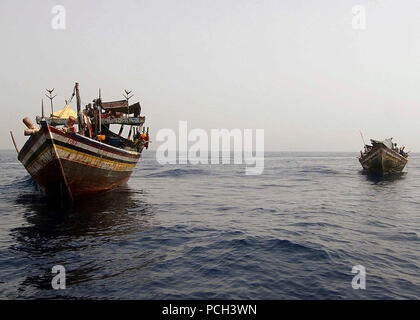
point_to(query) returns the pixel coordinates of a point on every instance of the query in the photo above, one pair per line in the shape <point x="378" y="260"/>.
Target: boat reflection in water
<point x="381" y="178"/>
<point x="92" y="241"/>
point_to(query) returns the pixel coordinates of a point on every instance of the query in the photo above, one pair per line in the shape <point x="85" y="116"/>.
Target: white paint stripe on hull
<point x="34" y="148"/>
<point x="72" y="155"/>
<point x="41" y="161"/>
<point x="48" y="154"/>
<point x="98" y="151"/>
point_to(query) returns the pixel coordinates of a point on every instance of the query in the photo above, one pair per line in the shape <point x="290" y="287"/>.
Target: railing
<point x="127" y="121"/>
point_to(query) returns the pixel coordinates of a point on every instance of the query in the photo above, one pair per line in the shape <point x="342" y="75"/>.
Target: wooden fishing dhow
<point x="71" y="163"/>
<point x="383" y="157"/>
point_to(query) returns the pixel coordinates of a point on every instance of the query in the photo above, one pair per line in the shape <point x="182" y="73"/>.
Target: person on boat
<point x="90" y="112"/>
<point x="145" y="139"/>
<point x="367" y="149"/>
<point x="69" y="126"/>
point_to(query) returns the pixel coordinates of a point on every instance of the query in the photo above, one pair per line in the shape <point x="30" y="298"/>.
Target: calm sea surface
<point x="211" y="232"/>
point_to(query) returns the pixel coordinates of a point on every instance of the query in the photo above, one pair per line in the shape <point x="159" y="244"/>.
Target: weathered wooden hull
<point x="382" y="160"/>
<point x="71" y="165"/>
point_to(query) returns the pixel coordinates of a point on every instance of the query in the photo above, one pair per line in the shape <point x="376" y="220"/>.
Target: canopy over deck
<point x="387" y="142"/>
<point x="65" y="113"/>
<point x="122" y="106"/>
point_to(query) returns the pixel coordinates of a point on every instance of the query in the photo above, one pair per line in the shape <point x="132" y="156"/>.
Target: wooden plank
<point x="14" y="142"/>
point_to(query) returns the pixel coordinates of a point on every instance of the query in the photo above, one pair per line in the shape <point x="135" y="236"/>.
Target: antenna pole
<point x="127" y="97"/>
<point x="51" y="97"/>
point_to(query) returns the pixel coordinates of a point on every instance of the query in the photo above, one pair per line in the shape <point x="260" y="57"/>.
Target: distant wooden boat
<point x="383" y="157"/>
<point x="70" y="164"/>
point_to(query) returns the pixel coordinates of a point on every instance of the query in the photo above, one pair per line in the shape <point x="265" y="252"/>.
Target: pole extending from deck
<point x="129" y="133"/>
<point x="14" y="142"/>
<point x="96" y="112"/>
<point x="42" y="108"/>
<point x="79" y="111"/>
<point x="363" y="139"/>
<point x="100" y="112"/>
<point x="121" y="130"/>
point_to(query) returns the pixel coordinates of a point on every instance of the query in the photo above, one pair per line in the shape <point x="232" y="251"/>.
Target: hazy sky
<point x="294" y="68"/>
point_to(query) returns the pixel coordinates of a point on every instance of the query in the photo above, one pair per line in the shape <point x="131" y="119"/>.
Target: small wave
<point x="319" y="171"/>
<point x="274" y="185"/>
<point x="402" y="236"/>
<point x="176" y="173"/>
<point x="285" y="246"/>
<point x="225" y="208"/>
<point x="316" y="224"/>
<point x="21" y="183"/>
<point x="259" y="209"/>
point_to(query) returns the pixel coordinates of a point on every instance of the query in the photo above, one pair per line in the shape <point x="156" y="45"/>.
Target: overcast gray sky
<point x="294" y="68"/>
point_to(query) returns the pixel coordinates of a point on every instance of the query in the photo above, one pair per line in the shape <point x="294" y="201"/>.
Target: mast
<point x="363" y="139"/>
<point x="79" y="118"/>
<point x="100" y="111"/>
<point x="96" y="113"/>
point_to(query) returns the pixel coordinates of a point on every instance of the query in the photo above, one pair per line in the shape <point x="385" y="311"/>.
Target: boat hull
<point x="73" y="166"/>
<point x="382" y="160"/>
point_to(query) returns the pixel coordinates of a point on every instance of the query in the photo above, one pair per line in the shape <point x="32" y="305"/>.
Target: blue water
<point x="211" y="232"/>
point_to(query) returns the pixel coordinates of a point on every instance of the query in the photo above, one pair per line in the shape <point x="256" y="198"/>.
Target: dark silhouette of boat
<point x="383" y="157"/>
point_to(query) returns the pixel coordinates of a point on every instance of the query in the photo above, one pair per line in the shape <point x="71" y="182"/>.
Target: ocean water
<point x="211" y="232"/>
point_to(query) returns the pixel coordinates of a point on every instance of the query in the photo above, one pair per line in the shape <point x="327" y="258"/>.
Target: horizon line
<point x="265" y="151"/>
